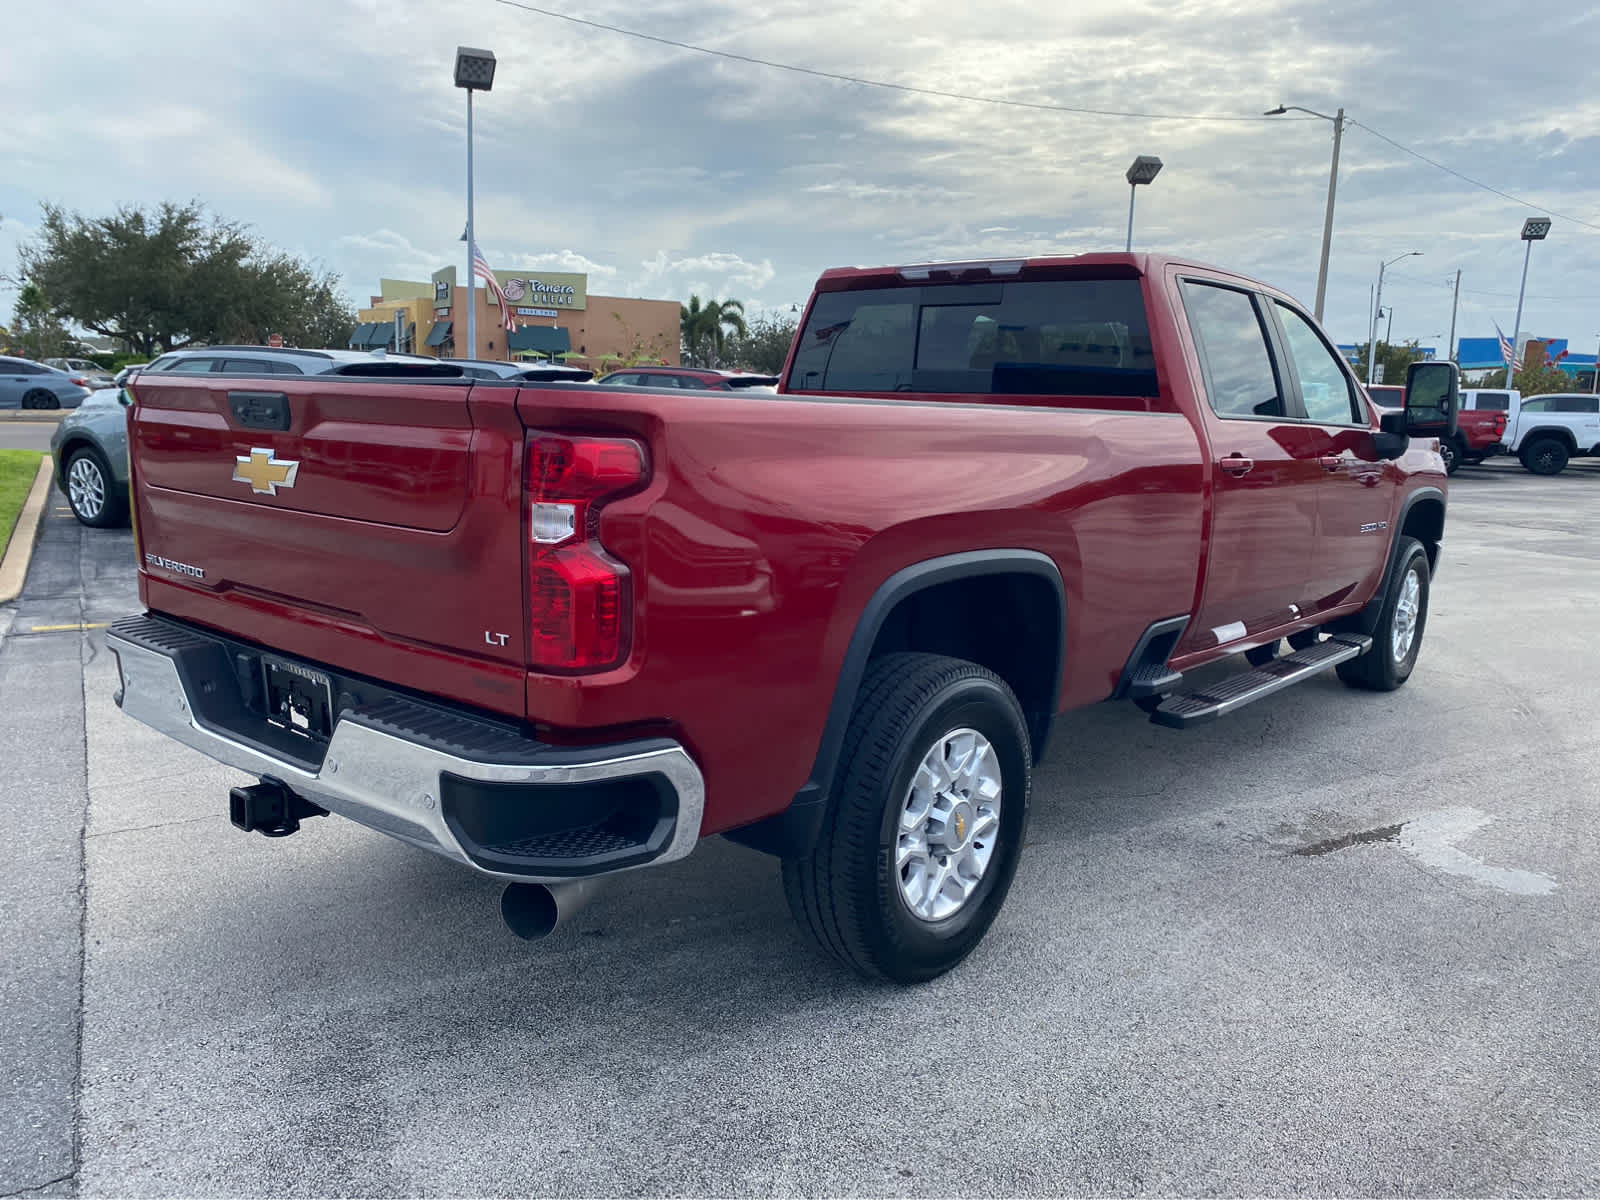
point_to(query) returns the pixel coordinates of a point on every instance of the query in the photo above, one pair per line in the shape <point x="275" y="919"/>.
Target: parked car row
<point x="1544" y="433"/>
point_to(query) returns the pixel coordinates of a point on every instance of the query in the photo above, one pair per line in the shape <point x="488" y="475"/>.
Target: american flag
<point x="1506" y="349"/>
<point x="480" y="268"/>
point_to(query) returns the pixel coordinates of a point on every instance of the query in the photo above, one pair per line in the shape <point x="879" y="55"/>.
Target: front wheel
<point x="1547" y="456"/>
<point x="39" y="398"/>
<point x="91" y="492"/>
<point x="926" y="822"/>
<point x="1398" y="638"/>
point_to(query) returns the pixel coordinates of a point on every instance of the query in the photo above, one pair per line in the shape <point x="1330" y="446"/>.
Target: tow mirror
<point x="1433" y="394"/>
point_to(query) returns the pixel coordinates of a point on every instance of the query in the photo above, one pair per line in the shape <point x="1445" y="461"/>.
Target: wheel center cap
<point x="958" y="826"/>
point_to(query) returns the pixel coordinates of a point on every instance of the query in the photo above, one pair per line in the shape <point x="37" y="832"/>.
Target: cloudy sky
<point x="332" y="127"/>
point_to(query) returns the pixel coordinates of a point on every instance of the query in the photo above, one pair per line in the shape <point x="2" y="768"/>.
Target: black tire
<point x="39" y="398"/>
<point x="846" y="894"/>
<point x="1450" y="451"/>
<point x="1545" y="456"/>
<point x="90" y="464"/>
<point x="1380" y="669"/>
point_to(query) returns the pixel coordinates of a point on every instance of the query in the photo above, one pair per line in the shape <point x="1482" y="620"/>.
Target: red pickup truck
<point x="557" y="632"/>
<point x="1479" y="432"/>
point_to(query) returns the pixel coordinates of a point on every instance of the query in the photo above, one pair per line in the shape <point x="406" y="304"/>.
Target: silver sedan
<point x="25" y="384"/>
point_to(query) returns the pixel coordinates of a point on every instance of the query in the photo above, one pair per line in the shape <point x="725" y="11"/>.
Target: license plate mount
<point x="299" y="699"/>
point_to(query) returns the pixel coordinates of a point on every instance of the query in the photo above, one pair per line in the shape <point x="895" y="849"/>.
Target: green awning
<point x="358" y="338"/>
<point x="439" y="334"/>
<point x="541" y="339"/>
<point x="382" y="335"/>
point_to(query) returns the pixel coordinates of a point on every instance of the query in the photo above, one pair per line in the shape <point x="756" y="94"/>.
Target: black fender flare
<point x="794" y="830"/>
<point x="1560" y="432"/>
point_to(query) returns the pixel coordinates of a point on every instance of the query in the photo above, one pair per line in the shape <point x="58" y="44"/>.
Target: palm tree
<point x="710" y="322"/>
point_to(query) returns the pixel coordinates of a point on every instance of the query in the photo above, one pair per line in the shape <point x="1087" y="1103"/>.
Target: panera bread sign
<point x="546" y="290"/>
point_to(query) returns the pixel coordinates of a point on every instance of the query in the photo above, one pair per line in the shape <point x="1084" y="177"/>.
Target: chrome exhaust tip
<point x="533" y="910"/>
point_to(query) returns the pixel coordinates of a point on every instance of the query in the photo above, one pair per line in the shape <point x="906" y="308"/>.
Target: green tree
<point x="1393" y="359"/>
<point x="764" y="345"/>
<point x="36" y="331"/>
<point x="176" y="276"/>
<point x="704" y="329"/>
<point x="1535" y="379"/>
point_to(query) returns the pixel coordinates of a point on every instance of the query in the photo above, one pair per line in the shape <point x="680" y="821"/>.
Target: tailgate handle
<point x="260" y="410"/>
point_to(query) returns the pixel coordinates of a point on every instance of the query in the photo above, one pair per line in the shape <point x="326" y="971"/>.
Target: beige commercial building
<point x="555" y="314"/>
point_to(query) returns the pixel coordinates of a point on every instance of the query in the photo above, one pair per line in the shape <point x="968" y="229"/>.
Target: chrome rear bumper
<point x="395" y="769"/>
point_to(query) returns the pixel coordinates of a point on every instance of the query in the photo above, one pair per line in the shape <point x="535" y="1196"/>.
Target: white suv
<point x="1545" y="431"/>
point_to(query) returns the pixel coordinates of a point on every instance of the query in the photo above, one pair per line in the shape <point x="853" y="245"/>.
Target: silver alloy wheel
<point x="86" y="487"/>
<point x="949" y="823"/>
<point x="1404" y="627"/>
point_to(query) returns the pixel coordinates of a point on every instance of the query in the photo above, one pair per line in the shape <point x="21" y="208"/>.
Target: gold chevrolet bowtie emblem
<point x="961" y="826"/>
<point x="264" y="471"/>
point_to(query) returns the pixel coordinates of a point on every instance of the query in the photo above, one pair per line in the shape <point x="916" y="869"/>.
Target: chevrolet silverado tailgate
<point x="374" y="526"/>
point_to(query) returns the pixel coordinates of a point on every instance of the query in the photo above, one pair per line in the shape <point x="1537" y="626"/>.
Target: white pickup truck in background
<point x="1546" y="431"/>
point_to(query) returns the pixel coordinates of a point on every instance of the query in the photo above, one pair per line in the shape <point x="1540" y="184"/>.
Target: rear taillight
<point x="1499" y="422"/>
<point x="579" y="596"/>
<point x="80" y="381"/>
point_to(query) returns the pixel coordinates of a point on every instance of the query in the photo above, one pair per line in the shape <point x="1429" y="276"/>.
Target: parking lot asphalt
<point x="1338" y="942"/>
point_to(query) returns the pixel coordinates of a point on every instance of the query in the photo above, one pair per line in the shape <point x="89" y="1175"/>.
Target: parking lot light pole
<point x="1372" y="343"/>
<point x="474" y="73"/>
<point x="1596" y="388"/>
<point x="1333" y="185"/>
<point x="1144" y="169"/>
<point x="1534" y="229"/>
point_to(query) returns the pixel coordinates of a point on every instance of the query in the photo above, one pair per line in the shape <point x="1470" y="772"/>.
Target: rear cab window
<point x="1065" y="337"/>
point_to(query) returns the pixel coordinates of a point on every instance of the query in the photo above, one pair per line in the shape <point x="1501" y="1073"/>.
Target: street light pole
<point x="1450" y="346"/>
<point x="1143" y="170"/>
<point x="1333" y="186"/>
<point x="1596" y="388"/>
<point x="472" y="247"/>
<point x="475" y="73"/>
<point x="1372" y="344"/>
<point x="1534" y="229"/>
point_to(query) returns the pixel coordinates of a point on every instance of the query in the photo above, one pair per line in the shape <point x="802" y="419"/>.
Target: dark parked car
<point x="25" y="384"/>
<point x="697" y="379"/>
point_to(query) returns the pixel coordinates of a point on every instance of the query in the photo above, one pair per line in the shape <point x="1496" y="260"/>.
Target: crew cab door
<point x="1353" y="506"/>
<point x="1266" y="472"/>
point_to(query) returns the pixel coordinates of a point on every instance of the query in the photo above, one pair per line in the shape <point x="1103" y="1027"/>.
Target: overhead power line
<point x="839" y="77"/>
<point x="1035" y="106"/>
<point x="1478" y="183"/>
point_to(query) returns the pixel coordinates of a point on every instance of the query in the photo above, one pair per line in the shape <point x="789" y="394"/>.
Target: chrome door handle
<point x="1237" y="464"/>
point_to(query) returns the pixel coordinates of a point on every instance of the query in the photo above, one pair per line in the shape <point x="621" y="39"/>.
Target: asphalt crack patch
<point x="1384" y="833"/>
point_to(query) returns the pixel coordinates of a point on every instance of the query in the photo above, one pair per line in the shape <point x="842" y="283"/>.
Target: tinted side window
<point x="1069" y="337"/>
<point x="193" y="366"/>
<point x="1537" y="404"/>
<point x="1494" y="401"/>
<point x="22" y="368"/>
<point x="1240" y="381"/>
<point x="1324" y="387"/>
<point x="1577" y="404"/>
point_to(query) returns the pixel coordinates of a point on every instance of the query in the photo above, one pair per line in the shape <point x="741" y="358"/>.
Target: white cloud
<point x="595" y="152"/>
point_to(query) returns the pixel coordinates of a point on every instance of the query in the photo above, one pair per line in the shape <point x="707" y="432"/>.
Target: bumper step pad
<point x="1226" y="695"/>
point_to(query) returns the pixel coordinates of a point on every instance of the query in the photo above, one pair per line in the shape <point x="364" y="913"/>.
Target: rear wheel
<point x="926" y="823"/>
<point x="39" y="398"/>
<point x="1398" y="638"/>
<point x="91" y="491"/>
<point x="1545" y="456"/>
<point x="1451" y="453"/>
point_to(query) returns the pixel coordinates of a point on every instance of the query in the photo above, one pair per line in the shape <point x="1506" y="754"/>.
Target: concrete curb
<point x="50" y="415"/>
<point x="14" y="570"/>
